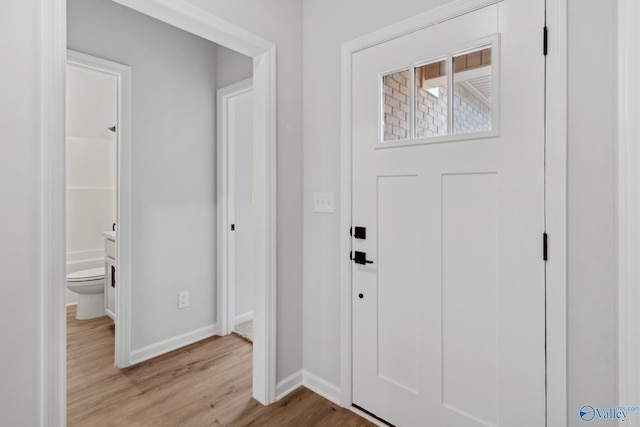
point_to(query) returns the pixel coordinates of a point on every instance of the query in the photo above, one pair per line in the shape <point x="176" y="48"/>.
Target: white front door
<point x="448" y="185"/>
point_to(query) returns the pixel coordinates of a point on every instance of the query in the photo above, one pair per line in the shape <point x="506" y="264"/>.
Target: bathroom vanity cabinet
<point x="110" y="273"/>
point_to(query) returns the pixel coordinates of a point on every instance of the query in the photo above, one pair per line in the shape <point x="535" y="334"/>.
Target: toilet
<point x="89" y="285"/>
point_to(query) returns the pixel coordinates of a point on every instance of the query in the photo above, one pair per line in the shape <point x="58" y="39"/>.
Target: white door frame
<point x="556" y="197"/>
<point x="226" y="198"/>
<point x="123" y="194"/>
<point x="52" y="136"/>
<point x="628" y="205"/>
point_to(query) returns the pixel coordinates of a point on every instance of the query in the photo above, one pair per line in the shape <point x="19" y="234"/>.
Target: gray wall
<point x="591" y="207"/>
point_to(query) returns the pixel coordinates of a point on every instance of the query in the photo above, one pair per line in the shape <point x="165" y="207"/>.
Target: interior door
<point x="448" y="187"/>
<point x="240" y="114"/>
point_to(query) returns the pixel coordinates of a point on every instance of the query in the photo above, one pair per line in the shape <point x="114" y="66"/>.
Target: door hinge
<point x="545" y="41"/>
<point x="545" y="250"/>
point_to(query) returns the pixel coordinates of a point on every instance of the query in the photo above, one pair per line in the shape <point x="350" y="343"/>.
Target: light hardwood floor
<point x="204" y="384"/>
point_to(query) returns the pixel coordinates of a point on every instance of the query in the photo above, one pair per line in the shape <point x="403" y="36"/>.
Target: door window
<point x="431" y="111"/>
<point x="472" y="91"/>
<point x="396" y="111"/>
<point x="442" y="99"/>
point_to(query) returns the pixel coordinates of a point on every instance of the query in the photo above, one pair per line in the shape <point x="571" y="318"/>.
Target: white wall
<point x="91" y="166"/>
<point x="173" y="163"/>
<point x="20" y="231"/>
<point x="591" y="206"/>
<point x="591" y="186"/>
<point x="279" y="21"/>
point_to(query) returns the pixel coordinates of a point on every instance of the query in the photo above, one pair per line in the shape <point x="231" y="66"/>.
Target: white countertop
<point x="111" y="235"/>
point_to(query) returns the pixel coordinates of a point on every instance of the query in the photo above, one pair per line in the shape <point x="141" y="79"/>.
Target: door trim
<point x="53" y="326"/>
<point x="555" y="198"/>
<point x="628" y="203"/>
<point x="226" y="167"/>
<point x="53" y="57"/>
<point x="123" y="216"/>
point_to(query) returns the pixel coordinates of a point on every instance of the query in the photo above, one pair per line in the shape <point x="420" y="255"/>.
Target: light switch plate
<point x="323" y="202"/>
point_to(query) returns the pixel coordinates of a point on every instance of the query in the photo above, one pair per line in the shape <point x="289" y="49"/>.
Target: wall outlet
<point x="183" y="299"/>
<point x="323" y="202"/>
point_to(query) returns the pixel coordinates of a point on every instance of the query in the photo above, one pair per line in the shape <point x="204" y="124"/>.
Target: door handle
<point x="360" y="258"/>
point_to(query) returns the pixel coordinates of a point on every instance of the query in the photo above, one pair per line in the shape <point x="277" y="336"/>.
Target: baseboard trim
<point x="165" y="346"/>
<point x="243" y="318"/>
<point x="322" y="387"/>
<point x="289" y="385"/>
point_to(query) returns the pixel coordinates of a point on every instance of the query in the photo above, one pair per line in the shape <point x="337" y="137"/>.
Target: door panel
<point x="399" y="247"/>
<point x="448" y="319"/>
<point x="469" y="294"/>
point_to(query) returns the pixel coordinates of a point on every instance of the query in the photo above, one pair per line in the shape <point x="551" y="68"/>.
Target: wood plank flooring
<point x="205" y="384"/>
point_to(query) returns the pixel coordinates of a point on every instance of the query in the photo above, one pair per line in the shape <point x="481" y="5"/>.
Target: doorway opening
<point x="235" y="208"/>
<point x="118" y="134"/>
<point x="215" y="30"/>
